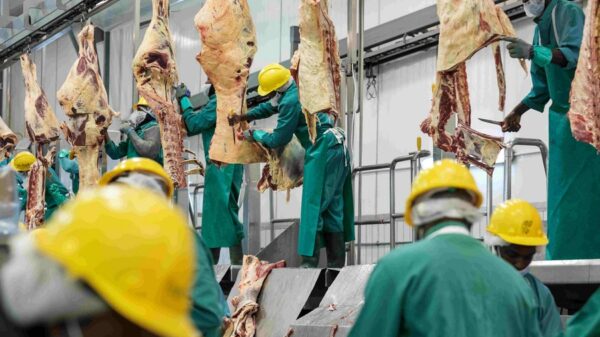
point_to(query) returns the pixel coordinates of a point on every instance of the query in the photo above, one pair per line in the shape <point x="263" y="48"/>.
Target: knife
<point x="490" y="121"/>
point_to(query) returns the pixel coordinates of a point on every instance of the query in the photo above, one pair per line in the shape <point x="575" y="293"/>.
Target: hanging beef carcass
<point x="316" y="64"/>
<point x="465" y="28"/>
<point x="8" y="140"/>
<point x="253" y="274"/>
<point x="284" y="169"/>
<point x="43" y="129"/>
<point x="84" y="100"/>
<point x="585" y="90"/>
<point x="156" y="74"/>
<point x="228" y="47"/>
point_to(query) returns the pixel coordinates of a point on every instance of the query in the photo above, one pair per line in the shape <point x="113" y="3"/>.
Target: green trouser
<point x="573" y="194"/>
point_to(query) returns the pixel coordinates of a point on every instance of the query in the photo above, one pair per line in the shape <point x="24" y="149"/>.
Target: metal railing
<point x="197" y="188"/>
<point x="414" y="159"/>
<point x="509" y="156"/>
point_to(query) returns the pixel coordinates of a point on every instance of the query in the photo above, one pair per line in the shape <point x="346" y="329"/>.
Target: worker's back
<point x="447" y="285"/>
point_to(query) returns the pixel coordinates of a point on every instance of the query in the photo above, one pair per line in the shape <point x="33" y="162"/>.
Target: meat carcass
<point x="465" y="28"/>
<point x="36" y="189"/>
<point x="585" y="90"/>
<point x="254" y="273"/>
<point x="84" y="100"/>
<point x="228" y="47"/>
<point x="284" y="169"/>
<point x="316" y="64"/>
<point x="8" y="140"/>
<point x="42" y="128"/>
<point x="156" y="74"/>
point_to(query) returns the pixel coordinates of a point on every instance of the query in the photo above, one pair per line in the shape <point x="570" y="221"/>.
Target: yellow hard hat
<point x="518" y="222"/>
<point x="142" y="165"/>
<point x="272" y="77"/>
<point x="133" y="249"/>
<point x="22" y="161"/>
<point x="444" y="174"/>
<point x="142" y="101"/>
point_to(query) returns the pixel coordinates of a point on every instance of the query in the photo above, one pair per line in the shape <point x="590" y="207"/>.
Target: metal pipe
<point x="272" y="214"/>
<point x="393" y="165"/>
<point x="350" y="61"/>
<point x="135" y="40"/>
<point x="489" y="198"/>
<point x="509" y="156"/>
<point x="360" y="92"/>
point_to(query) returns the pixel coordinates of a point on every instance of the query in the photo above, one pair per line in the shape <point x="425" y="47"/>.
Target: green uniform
<point x="207" y="309"/>
<point x="72" y="168"/>
<point x="127" y="147"/>
<point x="327" y="204"/>
<point x="547" y="315"/>
<point x="448" y="284"/>
<point x="586" y="323"/>
<point x="221" y="226"/>
<point x="574" y="167"/>
<point x="56" y="193"/>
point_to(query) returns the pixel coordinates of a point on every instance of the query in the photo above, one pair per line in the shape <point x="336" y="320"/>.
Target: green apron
<point x="574" y="167"/>
<point x="221" y="226"/>
<point x="56" y="193"/>
<point x="447" y="285"/>
<point x="126" y="148"/>
<point x="586" y="323"/>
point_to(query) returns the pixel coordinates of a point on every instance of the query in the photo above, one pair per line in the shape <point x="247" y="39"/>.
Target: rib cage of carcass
<point x="465" y="28"/>
<point x="156" y="74"/>
<point x="84" y="100"/>
<point x="585" y="98"/>
<point x="43" y="129"/>
<point x="316" y="64"/>
<point x="8" y="140"/>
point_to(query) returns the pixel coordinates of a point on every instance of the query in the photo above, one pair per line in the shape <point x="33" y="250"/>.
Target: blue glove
<point x="68" y="165"/>
<point x="519" y="49"/>
<point x="259" y="135"/>
<point x="64" y="153"/>
<point x="126" y="129"/>
<point x="182" y="91"/>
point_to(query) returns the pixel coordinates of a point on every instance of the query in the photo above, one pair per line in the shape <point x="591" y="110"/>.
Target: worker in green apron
<point x="515" y="233"/>
<point x="586" y="322"/>
<point x="327" y="215"/>
<point x="221" y="226"/>
<point x="448" y="283"/>
<point x="142" y="136"/>
<point x="70" y="166"/>
<point x="574" y="167"/>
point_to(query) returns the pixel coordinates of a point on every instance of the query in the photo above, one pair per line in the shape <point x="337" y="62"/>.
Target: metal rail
<point x="391" y="167"/>
<point x="194" y="196"/>
<point x="509" y="156"/>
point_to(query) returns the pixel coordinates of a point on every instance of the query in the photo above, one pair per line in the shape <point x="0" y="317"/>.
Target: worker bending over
<point x="142" y="136"/>
<point x="114" y="261"/>
<point x="516" y="232"/>
<point x="208" y="306"/>
<point x="221" y="226"/>
<point x="55" y="192"/>
<point x="327" y="215"/>
<point x="69" y="165"/>
<point x="574" y="167"/>
<point x="447" y="283"/>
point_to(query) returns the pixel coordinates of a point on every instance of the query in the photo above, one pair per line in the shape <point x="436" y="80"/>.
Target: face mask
<point x="430" y="210"/>
<point x="143" y="181"/>
<point x="534" y="8"/>
<point x="136" y="118"/>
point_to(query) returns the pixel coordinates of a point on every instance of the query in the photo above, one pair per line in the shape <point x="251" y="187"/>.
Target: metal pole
<point x="272" y="214"/>
<point x="489" y="198"/>
<point x="135" y="40"/>
<point x="361" y="75"/>
<point x="508" y="157"/>
<point x="393" y="205"/>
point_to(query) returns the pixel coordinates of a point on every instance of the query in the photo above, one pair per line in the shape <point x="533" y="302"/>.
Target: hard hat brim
<point x="263" y="92"/>
<point x="523" y="240"/>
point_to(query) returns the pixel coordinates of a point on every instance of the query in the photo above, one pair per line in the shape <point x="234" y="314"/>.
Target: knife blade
<point x="489" y="121"/>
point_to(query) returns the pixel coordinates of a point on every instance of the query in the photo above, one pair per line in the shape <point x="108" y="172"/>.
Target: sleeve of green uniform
<point x="206" y="307"/>
<point x="262" y="111"/>
<point x="539" y="95"/>
<point x="56" y="190"/>
<point x="198" y="122"/>
<point x="287" y="121"/>
<point x="587" y="320"/>
<point x="550" y="322"/>
<point x="115" y="151"/>
<point x="22" y="196"/>
<point x="570" y="32"/>
<point x="382" y="312"/>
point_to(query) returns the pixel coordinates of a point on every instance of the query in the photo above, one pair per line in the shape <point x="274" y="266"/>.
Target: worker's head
<point x="534" y="8"/>
<point x="515" y="232"/>
<point x="142" y="113"/>
<point x="273" y="77"/>
<point x="22" y="162"/>
<point x="106" y="260"/>
<point x="446" y="191"/>
<point x="140" y="172"/>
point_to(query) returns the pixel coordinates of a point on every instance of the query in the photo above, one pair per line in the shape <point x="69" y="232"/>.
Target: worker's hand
<point x="126" y="129"/>
<point x="182" y="91"/>
<point x="519" y="49"/>
<point x="245" y="135"/>
<point x="512" y="122"/>
<point x="275" y="100"/>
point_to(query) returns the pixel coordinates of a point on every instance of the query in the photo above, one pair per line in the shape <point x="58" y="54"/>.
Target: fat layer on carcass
<point x="284" y="169"/>
<point x="85" y="102"/>
<point x="316" y="64"/>
<point x="40" y="121"/>
<point x="585" y="89"/>
<point x="156" y="74"/>
<point x="228" y="47"/>
<point x="253" y="274"/>
<point x="8" y="140"/>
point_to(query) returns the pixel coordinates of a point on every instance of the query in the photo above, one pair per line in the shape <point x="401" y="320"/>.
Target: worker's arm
<point x="22" y="191"/>
<point x="149" y="145"/>
<point x="261" y="111"/>
<point x="198" y="122"/>
<point x="550" y="323"/>
<point x="115" y="151"/>
<point x="569" y="23"/>
<point x="286" y="125"/>
<point x="382" y="313"/>
<point x="55" y="190"/>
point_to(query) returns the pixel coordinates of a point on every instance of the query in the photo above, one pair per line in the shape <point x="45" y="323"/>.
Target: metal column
<point x="135" y="41"/>
<point x="252" y="210"/>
